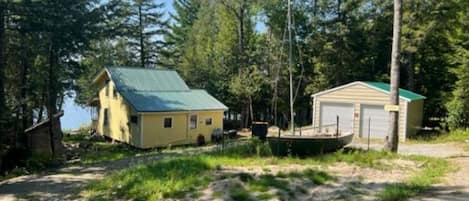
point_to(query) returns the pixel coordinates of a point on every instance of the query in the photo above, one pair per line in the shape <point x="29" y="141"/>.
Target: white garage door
<point x="329" y="113"/>
<point x="378" y="124"/>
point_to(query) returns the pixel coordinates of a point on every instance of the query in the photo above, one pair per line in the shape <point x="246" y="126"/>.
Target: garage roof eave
<point x="376" y="86"/>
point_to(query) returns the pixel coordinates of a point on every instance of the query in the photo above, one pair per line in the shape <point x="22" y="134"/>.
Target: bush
<point x="254" y="147"/>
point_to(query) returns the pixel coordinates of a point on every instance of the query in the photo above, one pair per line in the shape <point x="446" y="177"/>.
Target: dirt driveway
<point x="455" y="186"/>
<point x="65" y="183"/>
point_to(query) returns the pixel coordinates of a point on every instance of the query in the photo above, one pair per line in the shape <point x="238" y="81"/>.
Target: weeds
<point x="433" y="170"/>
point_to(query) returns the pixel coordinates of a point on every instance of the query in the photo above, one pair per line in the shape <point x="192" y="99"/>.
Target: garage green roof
<point x="402" y="92"/>
<point x="159" y="90"/>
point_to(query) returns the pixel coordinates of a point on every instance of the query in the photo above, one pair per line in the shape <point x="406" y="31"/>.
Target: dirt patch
<point x="455" y="186"/>
<point x="348" y="182"/>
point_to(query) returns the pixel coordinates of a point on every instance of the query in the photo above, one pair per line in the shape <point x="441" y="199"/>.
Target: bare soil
<point x="352" y="183"/>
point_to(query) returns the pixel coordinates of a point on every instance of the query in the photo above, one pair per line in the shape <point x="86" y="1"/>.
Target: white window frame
<point x="196" y="121"/>
<point x="167" y="117"/>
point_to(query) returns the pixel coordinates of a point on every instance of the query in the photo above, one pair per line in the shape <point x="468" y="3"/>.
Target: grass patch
<point x="105" y="151"/>
<point x="431" y="173"/>
<point x="174" y="177"/>
<point x="264" y="182"/>
<point x="239" y="193"/>
<point x="460" y="135"/>
<point x="155" y="181"/>
<point x="315" y="176"/>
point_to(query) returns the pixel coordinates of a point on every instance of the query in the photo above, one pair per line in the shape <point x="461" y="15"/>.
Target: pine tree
<point x="179" y="30"/>
<point x="146" y="28"/>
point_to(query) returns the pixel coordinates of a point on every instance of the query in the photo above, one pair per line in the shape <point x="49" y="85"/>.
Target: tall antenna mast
<point x="292" y="115"/>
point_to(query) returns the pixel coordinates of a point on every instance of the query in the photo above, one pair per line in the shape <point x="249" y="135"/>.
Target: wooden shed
<point x="360" y="108"/>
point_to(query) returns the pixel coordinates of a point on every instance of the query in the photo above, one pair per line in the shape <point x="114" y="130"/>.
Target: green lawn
<point x="453" y="136"/>
<point x="178" y="177"/>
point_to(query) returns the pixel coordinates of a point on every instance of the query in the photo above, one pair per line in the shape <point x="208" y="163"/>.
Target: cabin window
<point x="193" y="121"/>
<point x="168" y="122"/>
<point x="208" y="121"/>
<point x="106" y="117"/>
<point x="107" y="88"/>
<point x="134" y="119"/>
<point x="114" y="93"/>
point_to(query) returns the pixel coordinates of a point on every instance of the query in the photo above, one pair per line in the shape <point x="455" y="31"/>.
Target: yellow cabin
<point x="153" y="108"/>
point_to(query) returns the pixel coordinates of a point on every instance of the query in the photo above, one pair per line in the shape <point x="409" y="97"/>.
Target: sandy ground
<point x="455" y="186"/>
<point x="64" y="183"/>
<point x="351" y="182"/>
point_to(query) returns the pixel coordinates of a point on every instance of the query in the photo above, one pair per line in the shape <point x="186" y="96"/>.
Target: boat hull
<point x="307" y="145"/>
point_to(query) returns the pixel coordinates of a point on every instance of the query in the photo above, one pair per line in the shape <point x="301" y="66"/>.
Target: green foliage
<point x="460" y="135"/>
<point x="457" y="107"/>
<point x="239" y="193"/>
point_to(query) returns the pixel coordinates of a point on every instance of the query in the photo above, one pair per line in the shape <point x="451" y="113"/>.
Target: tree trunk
<point x="23" y="89"/>
<point x="52" y="95"/>
<point x="393" y="134"/>
<point x="2" y="65"/>
<point x="410" y="72"/>
<point x="142" y="46"/>
<point x="250" y="108"/>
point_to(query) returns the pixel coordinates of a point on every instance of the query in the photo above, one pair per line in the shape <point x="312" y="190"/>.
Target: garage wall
<point x="359" y="94"/>
<point x="414" y="120"/>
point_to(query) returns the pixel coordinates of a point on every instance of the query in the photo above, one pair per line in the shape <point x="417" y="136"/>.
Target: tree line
<point x="235" y="49"/>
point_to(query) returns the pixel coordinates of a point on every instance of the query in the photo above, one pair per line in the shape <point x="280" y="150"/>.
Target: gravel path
<point x="65" y="183"/>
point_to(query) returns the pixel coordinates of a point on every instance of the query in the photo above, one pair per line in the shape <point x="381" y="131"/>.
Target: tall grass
<point x="166" y="178"/>
<point x="432" y="172"/>
<point x="460" y="135"/>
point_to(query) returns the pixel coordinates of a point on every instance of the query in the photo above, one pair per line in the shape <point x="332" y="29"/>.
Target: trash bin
<point x="259" y="129"/>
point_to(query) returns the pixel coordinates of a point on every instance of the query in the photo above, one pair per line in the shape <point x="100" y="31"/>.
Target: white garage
<point x="329" y="114"/>
<point x="373" y="121"/>
<point x="360" y="108"/>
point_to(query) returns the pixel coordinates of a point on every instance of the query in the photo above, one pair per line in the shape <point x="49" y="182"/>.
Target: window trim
<point x="167" y="117"/>
<point x="211" y="121"/>
<point x="196" y="121"/>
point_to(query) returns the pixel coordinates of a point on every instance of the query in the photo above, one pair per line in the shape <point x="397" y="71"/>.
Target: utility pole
<point x="393" y="134"/>
<point x="292" y="115"/>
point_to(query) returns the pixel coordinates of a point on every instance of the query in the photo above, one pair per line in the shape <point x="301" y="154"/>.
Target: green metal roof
<point x="141" y="79"/>
<point x="402" y="92"/>
<point x="160" y="101"/>
<point x="160" y="90"/>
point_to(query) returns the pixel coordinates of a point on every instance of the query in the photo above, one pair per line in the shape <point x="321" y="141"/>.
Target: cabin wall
<point x="118" y="115"/>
